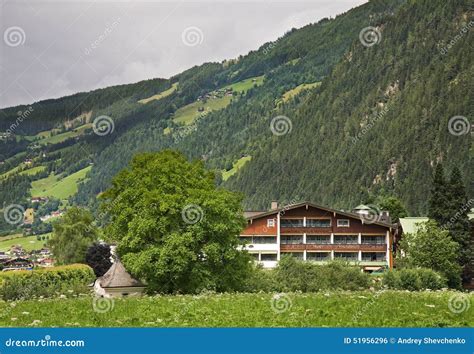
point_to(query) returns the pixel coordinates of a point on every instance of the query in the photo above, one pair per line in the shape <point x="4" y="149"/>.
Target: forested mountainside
<point x="353" y="119"/>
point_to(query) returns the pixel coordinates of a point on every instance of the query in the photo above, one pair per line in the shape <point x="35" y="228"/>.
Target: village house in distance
<point x="315" y="233"/>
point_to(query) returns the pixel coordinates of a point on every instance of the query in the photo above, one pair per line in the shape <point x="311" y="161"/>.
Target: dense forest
<point x="358" y="120"/>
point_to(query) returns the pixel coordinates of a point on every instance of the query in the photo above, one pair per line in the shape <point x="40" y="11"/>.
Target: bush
<point x="414" y="279"/>
<point x="409" y="279"/>
<point x="296" y="275"/>
<point x="391" y="280"/>
<point x="45" y="282"/>
<point x="430" y="279"/>
<point x="261" y="280"/>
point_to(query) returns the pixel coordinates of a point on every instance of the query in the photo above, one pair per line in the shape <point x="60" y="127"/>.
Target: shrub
<point x="296" y="275"/>
<point x="409" y="279"/>
<point x="414" y="279"/>
<point x="429" y="279"/>
<point x="45" y="282"/>
<point x="261" y="280"/>
<point x="391" y="280"/>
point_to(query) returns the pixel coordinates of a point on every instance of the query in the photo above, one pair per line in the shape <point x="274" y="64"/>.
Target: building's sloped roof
<point x="118" y="277"/>
<point x="248" y="214"/>
<point x="409" y="224"/>
<point x="298" y="205"/>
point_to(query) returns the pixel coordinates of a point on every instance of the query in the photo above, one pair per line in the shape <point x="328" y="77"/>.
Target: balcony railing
<point x="334" y="247"/>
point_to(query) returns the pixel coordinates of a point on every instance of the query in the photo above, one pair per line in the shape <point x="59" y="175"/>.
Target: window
<point x="291" y="240"/>
<point x="264" y="239"/>
<point x="245" y="239"/>
<point x="373" y="240"/>
<point x="318" y="223"/>
<point x="318" y="239"/>
<point x="343" y="223"/>
<point x="270" y="222"/>
<point x="254" y="255"/>
<point x="291" y="222"/>
<point x="298" y="255"/>
<point x="345" y="239"/>
<point x="268" y="257"/>
<point x="346" y="256"/>
<point x="373" y="256"/>
<point x="318" y="256"/>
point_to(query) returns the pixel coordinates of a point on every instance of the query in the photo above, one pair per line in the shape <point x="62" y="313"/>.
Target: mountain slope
<point x="370" y="120"/>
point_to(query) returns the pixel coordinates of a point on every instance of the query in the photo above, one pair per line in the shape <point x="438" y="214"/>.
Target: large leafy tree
<point x="72" y="236"/>
<point x="431" y="247"/>
<point x="174" y="228"/>
<point x="393" y="205"/>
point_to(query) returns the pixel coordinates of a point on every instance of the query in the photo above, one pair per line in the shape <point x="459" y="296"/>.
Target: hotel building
<point x="315" y="233"/>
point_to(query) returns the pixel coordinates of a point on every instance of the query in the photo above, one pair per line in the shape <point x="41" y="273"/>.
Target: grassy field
<point x="297" y="90"/>
<point x="336" y="309"/>
<point x="30" y="171"/>
<point x="160" y="95"/>
<point x="52" y="186"/>
<point x="54" y="139"/>
<point x="29" y="243"/>
<point x="188" y="114"/>
<point x="245" y="85"/>
<point x="237" y="165"/>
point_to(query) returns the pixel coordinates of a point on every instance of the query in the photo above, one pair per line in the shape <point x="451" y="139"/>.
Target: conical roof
<point x="118" y="277"/>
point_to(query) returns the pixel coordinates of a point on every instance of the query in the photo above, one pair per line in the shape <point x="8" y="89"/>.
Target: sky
<point x="54" y="48"/>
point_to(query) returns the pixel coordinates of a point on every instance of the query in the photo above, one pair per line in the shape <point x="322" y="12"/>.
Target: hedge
<point x="45" y="282"/>
<point x="414" y="279"/>
<point x="292" y="274"/>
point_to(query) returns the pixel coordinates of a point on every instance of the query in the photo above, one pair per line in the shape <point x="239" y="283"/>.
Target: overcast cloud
<point x="50" y="49"/>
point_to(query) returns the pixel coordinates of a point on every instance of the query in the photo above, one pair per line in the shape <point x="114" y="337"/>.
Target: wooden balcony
<point x="309" y="230"/>
<point x="335" y="247"/>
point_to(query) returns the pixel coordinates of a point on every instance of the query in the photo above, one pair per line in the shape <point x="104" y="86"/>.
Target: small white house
<point x="117" y="282"/>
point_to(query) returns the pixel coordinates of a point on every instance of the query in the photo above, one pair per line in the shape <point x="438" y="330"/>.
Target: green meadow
<point x="237" y="166"/>
<point x="330" y="309"/>
<point x="160" y="95"/>
<point x="29" y="243"/>
<point x="57" y="187"/>
<point x="187" y="114"/>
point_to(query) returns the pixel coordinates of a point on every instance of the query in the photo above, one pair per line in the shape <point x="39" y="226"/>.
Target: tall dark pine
<point x="438" y="203"/>
<point x="458" y="223"/>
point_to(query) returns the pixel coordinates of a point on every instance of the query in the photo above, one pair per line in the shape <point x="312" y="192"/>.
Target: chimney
<point x="274" y="205"/>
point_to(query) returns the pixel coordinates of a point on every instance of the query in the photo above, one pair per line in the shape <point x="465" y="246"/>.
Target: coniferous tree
<point x="438" y="203"/>
<point x="458" y="222"/>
